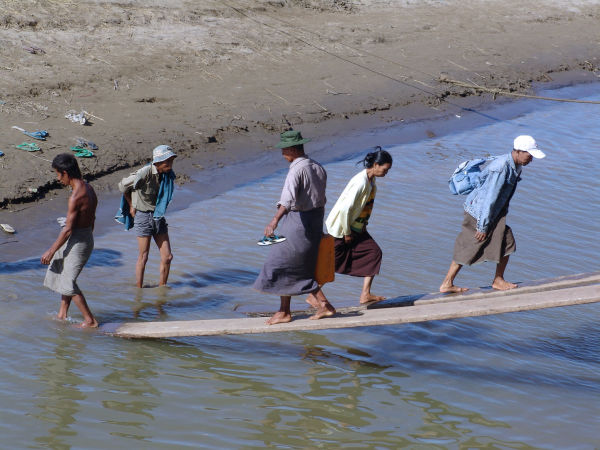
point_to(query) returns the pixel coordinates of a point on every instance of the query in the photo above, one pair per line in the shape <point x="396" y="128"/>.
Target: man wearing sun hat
<point x="146" y="195"/>
<point x="484" y="235"/>
<point x="290" y="266"/>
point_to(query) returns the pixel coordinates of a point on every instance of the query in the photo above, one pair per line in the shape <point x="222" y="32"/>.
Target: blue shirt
<point x="499" y="181"/>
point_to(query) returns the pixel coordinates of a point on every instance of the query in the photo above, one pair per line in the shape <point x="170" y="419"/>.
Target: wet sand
<point x="218" y="81"/>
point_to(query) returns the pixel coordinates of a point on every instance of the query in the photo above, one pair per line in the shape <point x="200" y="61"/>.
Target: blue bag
<point x="467" y="176"/>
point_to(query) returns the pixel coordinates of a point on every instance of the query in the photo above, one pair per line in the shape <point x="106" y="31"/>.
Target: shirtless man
<point x="74" y="245"/>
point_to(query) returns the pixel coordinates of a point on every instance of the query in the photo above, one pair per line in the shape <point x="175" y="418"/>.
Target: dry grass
<point x="32" y="13"/>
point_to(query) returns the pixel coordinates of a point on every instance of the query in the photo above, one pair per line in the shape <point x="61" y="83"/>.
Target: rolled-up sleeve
<point x="126" y="184"/>
<point x="289" y="193"/>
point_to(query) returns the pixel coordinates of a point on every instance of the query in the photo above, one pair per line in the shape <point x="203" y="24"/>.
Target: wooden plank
<point x="543" y="285"/>
<point x="514" y="301"/>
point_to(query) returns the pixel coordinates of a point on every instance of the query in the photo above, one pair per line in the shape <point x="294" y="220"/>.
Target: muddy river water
<point x="519" y="380"/>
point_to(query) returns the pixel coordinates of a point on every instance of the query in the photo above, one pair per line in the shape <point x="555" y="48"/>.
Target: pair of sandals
<point x="29" y="147"/>
<point x="270" y="240"/>
<point x="82" y="152"/>
<point x="84" y="143"/>
<point x="84" y="148"/>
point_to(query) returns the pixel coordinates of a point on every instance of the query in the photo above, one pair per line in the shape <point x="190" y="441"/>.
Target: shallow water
<point x="517" y="380"/>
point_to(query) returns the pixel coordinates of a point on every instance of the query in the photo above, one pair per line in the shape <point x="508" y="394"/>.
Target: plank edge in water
<point x="516" y="301"/>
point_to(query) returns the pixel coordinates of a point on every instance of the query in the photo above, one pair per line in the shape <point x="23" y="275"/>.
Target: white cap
<point x="527" y="144"/>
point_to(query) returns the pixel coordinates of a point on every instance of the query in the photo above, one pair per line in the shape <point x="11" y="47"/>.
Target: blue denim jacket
<point x="498" y="182"/>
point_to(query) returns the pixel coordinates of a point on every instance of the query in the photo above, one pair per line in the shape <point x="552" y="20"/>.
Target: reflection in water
<point x="62" y="375"/>
<point x="163" y="303"/>
<point x="133" y="394"/>
<point x="158" y="302"/>
<point x="302" y="391"/>
<point x="327" y="404"/>
<point x="128" y="392"/>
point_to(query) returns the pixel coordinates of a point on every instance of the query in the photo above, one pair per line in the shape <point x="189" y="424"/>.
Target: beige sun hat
<point x="162" y="153"/>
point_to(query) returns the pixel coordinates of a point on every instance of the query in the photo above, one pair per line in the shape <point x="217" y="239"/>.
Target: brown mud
<point x="218" y="80"/>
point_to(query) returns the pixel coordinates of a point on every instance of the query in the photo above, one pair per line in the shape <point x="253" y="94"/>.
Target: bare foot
<point x="370" y="298"/>
<point x="93" y="324"/>
<point x="326" y="310"/>
<point x="445" y="288"/>
<point x="503" y="285"/>
<point x="279" y="317"/>
<point x="312" y="301"/>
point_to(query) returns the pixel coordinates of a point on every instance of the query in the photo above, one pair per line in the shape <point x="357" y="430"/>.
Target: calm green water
<point x="522" y="380"/>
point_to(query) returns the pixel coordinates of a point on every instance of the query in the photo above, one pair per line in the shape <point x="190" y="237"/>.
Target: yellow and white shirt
<point x="350" y="205"/>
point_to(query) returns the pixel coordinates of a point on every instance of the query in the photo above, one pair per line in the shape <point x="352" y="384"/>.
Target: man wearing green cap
<point x="290" y="266"/>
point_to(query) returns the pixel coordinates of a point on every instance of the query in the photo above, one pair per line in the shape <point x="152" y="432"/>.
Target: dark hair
<point x="65" y="162"/>
<point x="379" y="156"/>
<point x="297" y="148"/>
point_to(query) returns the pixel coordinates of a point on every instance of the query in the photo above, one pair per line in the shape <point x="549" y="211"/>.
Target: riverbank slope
<point x="219" y="80"/>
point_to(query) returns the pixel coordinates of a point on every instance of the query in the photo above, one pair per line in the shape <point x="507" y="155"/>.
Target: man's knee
<point x="167" y="258"/>
<point x="143" y="257"/>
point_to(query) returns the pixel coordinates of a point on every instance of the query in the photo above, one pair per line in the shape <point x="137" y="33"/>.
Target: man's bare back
<point x="84" y="203"/>
<point x="81" y="213"/>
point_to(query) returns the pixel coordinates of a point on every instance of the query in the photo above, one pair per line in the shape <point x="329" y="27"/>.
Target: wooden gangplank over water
<point x="563" y="291"/>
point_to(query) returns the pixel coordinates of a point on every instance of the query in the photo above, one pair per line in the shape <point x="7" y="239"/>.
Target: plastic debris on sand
<point x="7" y="228"/>
<point x="38" y="134"/>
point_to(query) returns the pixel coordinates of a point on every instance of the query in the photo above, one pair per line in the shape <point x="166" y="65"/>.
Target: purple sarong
<point x="290" y="265"/>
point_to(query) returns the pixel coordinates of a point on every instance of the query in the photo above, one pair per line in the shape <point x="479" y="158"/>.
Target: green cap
<point x="290" y="139"/>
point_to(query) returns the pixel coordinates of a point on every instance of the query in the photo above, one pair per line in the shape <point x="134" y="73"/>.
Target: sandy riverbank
<point x="216" y="80"/>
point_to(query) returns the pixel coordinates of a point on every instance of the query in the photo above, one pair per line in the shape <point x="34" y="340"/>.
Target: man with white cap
<point x="147" y="192"/>
<point x="484" y="235"/>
